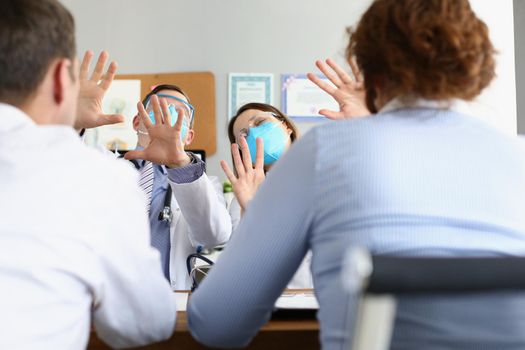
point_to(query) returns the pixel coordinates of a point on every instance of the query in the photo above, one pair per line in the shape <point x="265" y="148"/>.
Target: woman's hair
<point x="265" y="108"/>
<point x="430" y="49"/>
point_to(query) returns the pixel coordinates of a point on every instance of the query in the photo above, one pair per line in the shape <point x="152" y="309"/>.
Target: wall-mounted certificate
<point x="301" y="99"/>
<point x="121" y="98"/>
<point x="248" y="87"/>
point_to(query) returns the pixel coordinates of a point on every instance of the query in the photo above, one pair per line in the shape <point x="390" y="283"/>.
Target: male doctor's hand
<point x="349" y="93"/>
<point x="92" y="91"/>
<point x="249" y="177"/>
<point x="166" y="146"/>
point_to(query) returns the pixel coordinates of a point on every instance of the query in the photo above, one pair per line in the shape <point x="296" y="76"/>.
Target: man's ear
<point x="189" y="137"/>
<point x="62" y="79"/>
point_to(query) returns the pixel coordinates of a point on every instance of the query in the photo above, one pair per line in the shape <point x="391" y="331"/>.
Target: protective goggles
<point x="176" y="105"/>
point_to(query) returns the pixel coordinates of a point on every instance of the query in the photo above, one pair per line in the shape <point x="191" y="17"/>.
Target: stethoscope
<point x="166" y="214"/>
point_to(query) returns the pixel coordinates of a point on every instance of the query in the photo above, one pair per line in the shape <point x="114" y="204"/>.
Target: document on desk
<point x="181" y="298"/>
<point x="290" y="299"/>
<point x="297" y="299"/>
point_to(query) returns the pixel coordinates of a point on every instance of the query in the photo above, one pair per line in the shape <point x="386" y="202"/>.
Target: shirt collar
<point x="13" y="118"/>
<point x="456" y="105"/>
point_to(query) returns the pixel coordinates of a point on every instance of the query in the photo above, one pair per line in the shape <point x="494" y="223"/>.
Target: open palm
<point x="166" y="146"/>
<point x="249" y="177"/>
<point x="92" y="91"/>
<point x="348" y="93"/>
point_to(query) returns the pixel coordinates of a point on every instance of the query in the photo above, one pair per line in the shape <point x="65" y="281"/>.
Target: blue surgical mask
<point x="173" y="119"/>
<point x="274" y="138"/>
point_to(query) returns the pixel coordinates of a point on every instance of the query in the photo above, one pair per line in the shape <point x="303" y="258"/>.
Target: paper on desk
<point x="181" y="299"/>
<point x="300" y="300"/>
<point x="288" y="300"/>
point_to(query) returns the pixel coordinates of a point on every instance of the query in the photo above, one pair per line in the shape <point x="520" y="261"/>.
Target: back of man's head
<point x="33" y="34"/>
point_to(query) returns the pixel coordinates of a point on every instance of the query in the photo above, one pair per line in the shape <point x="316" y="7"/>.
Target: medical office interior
<point x="221" y="55"/>
<point x="263" y="37"/>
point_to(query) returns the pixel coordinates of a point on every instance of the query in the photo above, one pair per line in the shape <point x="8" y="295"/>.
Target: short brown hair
<point x="431" y="49"/>
<point x="33" y="33"/>
<point x="161" y="87"/>
<point x="265" y="108"/>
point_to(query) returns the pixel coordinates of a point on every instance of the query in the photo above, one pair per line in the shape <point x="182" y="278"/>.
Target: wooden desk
<point x="277" y="334"/>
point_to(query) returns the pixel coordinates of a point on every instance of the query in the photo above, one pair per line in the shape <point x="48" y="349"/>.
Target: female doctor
<point x="263" y="133"/>
<point x="186" y="208"/>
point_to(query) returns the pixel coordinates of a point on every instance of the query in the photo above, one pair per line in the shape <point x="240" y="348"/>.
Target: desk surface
<point x="277" y="334"/>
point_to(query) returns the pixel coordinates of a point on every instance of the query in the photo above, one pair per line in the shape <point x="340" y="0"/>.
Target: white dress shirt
<point x="74" y="244"/>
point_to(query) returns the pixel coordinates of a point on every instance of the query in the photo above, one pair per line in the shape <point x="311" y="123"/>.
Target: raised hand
<point x="349" y="93"/>
<point x="249" y="178"/>
<point x="92" y="91"/>
<point x="165" y="145"/>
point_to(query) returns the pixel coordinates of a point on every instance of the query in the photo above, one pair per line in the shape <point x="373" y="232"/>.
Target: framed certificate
<point x="249" y="87"/>
<point x="301" y="99"/>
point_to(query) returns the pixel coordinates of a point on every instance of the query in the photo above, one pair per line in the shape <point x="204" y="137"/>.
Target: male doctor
<point x="186" y="208"/>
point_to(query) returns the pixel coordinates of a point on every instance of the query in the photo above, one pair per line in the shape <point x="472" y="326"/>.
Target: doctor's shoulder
<point x="104" y="173"/>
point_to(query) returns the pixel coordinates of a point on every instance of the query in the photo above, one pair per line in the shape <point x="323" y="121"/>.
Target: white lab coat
<point x="303" y="276"/>
<point x="200" y="218"/>
<point x="74" y="245"/>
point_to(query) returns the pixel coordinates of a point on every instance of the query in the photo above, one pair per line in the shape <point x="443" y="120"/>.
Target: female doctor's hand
<point x="92" y="91"/>
<point x="349" y="93"/>
<point x="166" y="146"/>
<point x="249" y="177"/>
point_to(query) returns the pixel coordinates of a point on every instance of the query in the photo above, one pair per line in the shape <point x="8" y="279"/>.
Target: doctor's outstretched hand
<point x="166" y="146"/>
<point x="92" y="91"/>
<point x="348" y="92"/>
<point x="248" y="179"/>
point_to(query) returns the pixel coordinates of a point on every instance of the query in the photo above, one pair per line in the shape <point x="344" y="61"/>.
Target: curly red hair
<point x="431" y="49"/>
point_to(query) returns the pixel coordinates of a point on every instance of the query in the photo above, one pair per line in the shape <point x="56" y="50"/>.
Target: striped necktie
<point x="146" y="181"/>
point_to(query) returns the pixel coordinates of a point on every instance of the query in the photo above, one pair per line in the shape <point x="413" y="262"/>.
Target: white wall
<point x="266" y="36"/>
<point x="498" y="103"/>
<point x="519" y="43"/>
